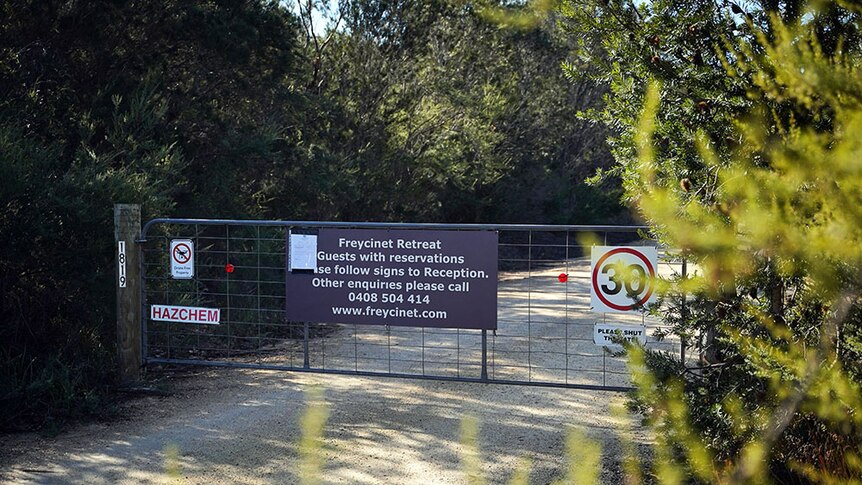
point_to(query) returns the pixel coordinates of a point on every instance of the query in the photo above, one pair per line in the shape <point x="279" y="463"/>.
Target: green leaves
<point x="440" y="114"/>
<point x="732" y="131"/>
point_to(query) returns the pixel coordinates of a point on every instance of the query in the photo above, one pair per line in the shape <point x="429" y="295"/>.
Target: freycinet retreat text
<point x="418" y="278"/>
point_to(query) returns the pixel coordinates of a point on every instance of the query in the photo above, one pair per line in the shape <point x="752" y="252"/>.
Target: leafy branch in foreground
<point x="312" y="423"/>
<point x="779" y="247"/>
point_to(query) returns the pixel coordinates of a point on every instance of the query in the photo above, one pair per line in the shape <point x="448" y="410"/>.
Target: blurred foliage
<point x="312" y="424"/>
<point x="173" y="467"/>
<point x="470" y="456"/>
<point x="583" y="455"/>
<point x="735" y="133"/>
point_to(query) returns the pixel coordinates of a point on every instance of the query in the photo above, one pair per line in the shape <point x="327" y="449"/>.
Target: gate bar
<point x="393" y="225"/>
<point x="397" y="375"/>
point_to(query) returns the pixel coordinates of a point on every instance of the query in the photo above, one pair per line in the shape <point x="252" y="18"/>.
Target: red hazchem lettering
<point x="185" y="314"/>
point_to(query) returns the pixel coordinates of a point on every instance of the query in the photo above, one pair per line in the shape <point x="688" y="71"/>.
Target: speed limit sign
<point x="622" y="278"/>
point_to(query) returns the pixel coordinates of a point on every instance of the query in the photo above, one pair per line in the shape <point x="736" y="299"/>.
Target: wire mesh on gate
<point x="545" y="326"/>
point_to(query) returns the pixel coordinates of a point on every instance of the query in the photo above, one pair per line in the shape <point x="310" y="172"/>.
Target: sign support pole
<point x="484" y="355"/>
<point x="305" y="360"/>
<point x="127" y="230"/>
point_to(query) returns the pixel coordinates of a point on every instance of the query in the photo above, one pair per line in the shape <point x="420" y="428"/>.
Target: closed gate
<point x="544" y="331"/>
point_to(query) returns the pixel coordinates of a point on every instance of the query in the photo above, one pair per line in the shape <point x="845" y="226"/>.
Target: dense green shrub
<point x="104" y="103"/>
<point x="745" y="155"/>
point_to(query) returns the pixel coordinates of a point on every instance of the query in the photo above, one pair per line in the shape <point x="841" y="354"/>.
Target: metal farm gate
<point x="544" y="333"/>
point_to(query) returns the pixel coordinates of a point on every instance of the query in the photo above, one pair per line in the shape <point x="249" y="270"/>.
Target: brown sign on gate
<point x="399" y="277"/>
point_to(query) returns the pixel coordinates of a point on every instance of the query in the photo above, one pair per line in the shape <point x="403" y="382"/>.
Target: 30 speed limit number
<point x="622" y="278"/>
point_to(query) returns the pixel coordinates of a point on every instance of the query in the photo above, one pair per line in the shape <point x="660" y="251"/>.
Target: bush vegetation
<point x="733" y="129"/>
<point x="413" y="111"/>
<point x="745" y="155"/>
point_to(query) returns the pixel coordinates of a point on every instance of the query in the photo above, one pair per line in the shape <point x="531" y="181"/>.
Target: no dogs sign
<point x="622" y="278"/>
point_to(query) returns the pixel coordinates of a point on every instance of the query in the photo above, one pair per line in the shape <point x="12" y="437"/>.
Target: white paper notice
<point x="303" y="252"/>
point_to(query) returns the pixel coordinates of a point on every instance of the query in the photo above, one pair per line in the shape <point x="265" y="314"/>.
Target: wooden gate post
<point x="127" y="230"/>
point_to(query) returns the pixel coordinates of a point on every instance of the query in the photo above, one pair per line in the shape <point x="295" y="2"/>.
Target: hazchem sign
<point x="622" y="278"/>
<point x="399" y="277"/>
<point x="609" y="335"/>
<point x="185" y="314"/>
<point x="182" y="259"/>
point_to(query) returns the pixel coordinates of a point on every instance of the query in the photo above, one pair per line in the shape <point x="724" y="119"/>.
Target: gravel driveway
<point x="241" y="426"/>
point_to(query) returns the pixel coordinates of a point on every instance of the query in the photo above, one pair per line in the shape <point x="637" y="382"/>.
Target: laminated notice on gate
<point x="303" y="252"/>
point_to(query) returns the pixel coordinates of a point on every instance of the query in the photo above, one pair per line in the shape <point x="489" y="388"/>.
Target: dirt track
<point x="237" y="426"/>
<point x="240" y="426"/>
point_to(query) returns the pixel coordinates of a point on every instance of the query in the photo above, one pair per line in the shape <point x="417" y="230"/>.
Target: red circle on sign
<point x="563" y="277"/>
<point x="229" y="268"/>
<point x="597" y="289"/>
<point x="180" y="256"/>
